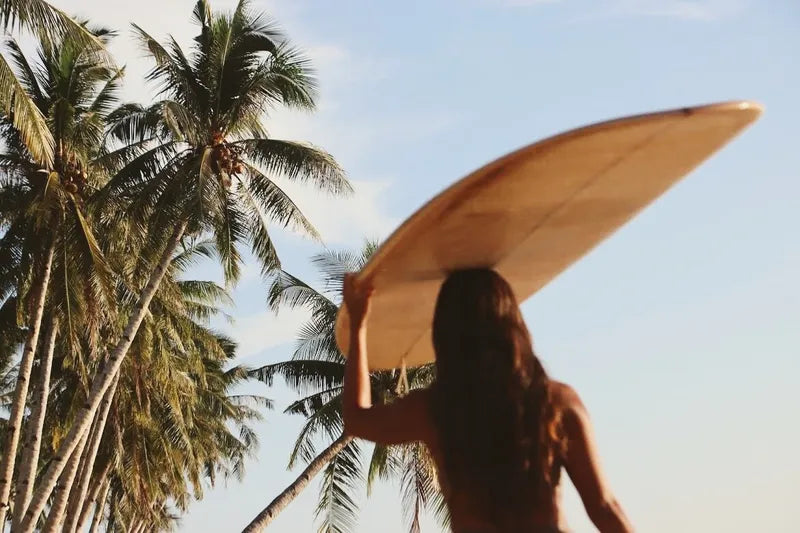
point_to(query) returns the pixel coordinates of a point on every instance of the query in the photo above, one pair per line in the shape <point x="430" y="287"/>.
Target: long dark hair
<point x="499" y="433"/>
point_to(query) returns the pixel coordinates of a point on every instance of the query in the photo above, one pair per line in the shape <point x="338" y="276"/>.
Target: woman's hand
<point x="357" y="298"/>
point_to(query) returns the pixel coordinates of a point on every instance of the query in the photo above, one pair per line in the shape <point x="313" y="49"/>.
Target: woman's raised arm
<point x="404" y="420"/>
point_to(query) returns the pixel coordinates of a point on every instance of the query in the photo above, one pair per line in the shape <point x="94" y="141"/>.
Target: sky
<point x="680" y="332"/>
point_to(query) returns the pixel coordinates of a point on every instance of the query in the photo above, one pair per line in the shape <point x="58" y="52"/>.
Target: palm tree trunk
<point x="99" y="507"/>
<point x="21" y="390"/>
<point x="100" y="482"/>
<point x="79" y="494"/>
<point x="62" y="492"/>
<point x="102" y="381"/>
<point x="33" y="433"/>
<point x="290" y="493"/>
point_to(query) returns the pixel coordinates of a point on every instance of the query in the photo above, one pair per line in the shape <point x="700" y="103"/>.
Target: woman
<point x="498" y="428"/>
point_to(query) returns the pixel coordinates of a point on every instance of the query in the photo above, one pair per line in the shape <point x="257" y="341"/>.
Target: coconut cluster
<point x="227" y="158"/>
<point x="73" y="176"/>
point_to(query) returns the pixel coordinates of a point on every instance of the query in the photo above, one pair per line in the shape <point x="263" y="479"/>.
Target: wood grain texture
<point x="531" y="214"/>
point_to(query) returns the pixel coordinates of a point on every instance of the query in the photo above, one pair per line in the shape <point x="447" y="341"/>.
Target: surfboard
<point x="530" y="215"/>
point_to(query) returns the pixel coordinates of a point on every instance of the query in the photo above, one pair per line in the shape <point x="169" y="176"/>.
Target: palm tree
<point x="43" y="203"/>
<point x="199" y="162"/>
<point x="176" y="421"/>
<point x="316" y="371"/>
<point x="178" y="416"/>
<point x="34" y="425"/>
<point x="50" y="25"/>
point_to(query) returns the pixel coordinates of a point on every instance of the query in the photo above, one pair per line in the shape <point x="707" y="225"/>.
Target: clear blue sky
<point x="680" y="332"/>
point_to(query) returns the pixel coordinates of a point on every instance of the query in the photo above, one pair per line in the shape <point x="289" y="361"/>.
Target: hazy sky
<point x="680" y="332"/>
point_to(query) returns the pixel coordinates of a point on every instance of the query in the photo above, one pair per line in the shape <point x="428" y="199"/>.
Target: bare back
<point x="410" y="419"/>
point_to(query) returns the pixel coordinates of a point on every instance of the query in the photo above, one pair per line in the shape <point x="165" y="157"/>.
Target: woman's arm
<point x="401" y="421"/>
<point x="583" y="467"/>
<point x="357" y="395"/>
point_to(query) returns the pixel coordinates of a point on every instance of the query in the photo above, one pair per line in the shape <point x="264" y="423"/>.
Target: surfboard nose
<point x="748" y="110"/>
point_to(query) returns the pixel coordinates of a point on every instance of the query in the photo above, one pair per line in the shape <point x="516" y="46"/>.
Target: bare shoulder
<point x="564" y="396"/>
<point x="567" y="401"/>
<point x="582" y="462"/>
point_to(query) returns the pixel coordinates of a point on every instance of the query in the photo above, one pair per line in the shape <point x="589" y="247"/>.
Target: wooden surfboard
<point x="530" y="215"/>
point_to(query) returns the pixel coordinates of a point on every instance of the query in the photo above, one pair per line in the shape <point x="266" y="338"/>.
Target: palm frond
<point x="231" y="229"/>
<point x="48" y="22"/>
<point x="26" y="116"/>
<point x="382" y="465"/>
<point x="417" y="483"/>
<point x="334" y="265"/>
<point x="297" y="161"/>
<point x="327" y="420"/>
<point x="190" y="254"/>
<point x="100" y="267"/>
<point x="288" y="78"/>
<point x="206" y="292"/>
<point x="316" y="340"/>
<point x="133" y="123"/>
<point x="27" y="77"/>
<point x="336" y="507"/>
<point x="302" y="375"/>
<point x="106" y="98"/>
<point x="145" y="169"/>
<point x="262" y="193"/>
<point x="312" y="403"/>
<point x="260" y="241"/>
<point x="180" y="121"/>
<point x="252" y="399"/>
<point x="289" y="291"/>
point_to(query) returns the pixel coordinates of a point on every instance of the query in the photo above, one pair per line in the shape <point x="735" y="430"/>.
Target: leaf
<point x="27" y="118"/>
<point x="100" y="266"/>
<point x="260" y="241"/>
<point x="382" y="465"/>
<point x="290" y="291"/>
<point x="297" y="161"/>
<point x="108" y="94"/>
<point x="302" y="375"/>
<point x="26" y="75"/>
<point x="229" y="230"/>
<point x="336" y="506"/>
<point x="327" y="419"/>
<point x="259" y="192"/>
